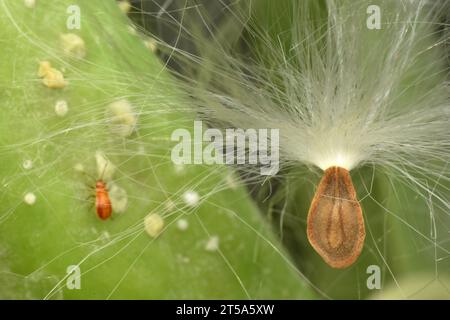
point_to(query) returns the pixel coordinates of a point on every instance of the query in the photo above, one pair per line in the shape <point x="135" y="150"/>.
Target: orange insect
<point x="102" y="202"/>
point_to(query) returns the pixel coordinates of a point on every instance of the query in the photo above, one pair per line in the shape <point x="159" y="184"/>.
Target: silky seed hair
<point x="343" y="94"/>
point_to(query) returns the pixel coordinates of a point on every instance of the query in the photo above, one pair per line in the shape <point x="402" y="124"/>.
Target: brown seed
<point x="335" y="223"/>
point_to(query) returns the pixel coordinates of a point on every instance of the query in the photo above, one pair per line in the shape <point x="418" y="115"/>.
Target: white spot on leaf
<point x="119" y="198"/>
<point x="150" y="43"/>
<point x="153" y="225"/>
<point x="27" y="164"/>
<point x="212" y="244"/>
<point x="79" y="167"/>
<point x="124" y="6"/>
<point x="61" y="108"/>
<point x="73" y="45"/>
<point x="191" y="198"/>
<point x="30" y="198"/>
<point x="182" y="224"/>
<point x="123" y="119"/>
<point x="30" y="3"/>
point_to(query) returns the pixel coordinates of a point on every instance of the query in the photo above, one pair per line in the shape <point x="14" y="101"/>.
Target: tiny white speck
<point x="151" y="45"/>
<point x="79" y="167"/>
<point x="119" y="198"/>
<point x="182" y="224"/>
<point x="73" y="45"/>
<point x="153" y="224"/>
<point x="124" y="6"/>
<point x="212" y="244"/>
<point x="30" y="3"/>
<point x="179" y="168"/>
<point x="191" y="198"/>
<point x="61" y="108"/>
<point x="30" y="198"/>
<point x="27" y="164"/>
<point x="123" y="118"/>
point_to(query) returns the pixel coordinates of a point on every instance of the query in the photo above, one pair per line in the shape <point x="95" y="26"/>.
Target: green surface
<point x="407" y="229"/>
<point x="117" y="258"/>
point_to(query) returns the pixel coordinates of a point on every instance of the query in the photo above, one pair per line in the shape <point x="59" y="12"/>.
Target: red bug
<point x="103" y="206"/>
<point x="102" y="201"/>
